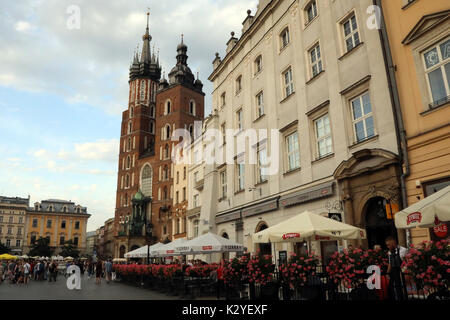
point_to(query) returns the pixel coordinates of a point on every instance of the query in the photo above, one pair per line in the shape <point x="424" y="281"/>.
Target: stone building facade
<point x="314" y="72"/>
<point x="13" y="222"/>
<point x="59" y="221"/>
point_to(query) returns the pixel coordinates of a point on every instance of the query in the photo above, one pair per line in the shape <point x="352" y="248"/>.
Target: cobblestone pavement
<point x="44" y="290"/>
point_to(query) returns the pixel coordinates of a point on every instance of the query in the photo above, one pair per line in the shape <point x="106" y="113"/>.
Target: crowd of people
<point x="22" y="271"/>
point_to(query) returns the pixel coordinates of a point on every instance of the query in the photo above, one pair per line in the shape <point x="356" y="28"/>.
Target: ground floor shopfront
<point x="364" y="191"/>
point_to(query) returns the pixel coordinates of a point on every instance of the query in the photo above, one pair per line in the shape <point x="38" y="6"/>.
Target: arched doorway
<point x="264" y="248"/>
<point x="122" y="251"/>
<point x="225" y="255"/>
<point x="378" y="226"/>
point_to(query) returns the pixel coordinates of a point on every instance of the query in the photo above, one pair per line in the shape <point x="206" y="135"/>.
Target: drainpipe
<point x="398" y="117"/>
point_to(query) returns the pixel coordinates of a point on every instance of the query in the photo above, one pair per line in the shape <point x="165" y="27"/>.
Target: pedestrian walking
<point x="108" y="270"/>
<point x="98" y="272"/>
<point x="26" y="272"/>
<point x="396" y="279"/>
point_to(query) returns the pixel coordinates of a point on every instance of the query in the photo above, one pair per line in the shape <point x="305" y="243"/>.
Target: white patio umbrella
<point x="428" y="212"/>
<point x="209" y="243"/>
<point x="169" y="250"/>
<point x="308" y="226"/>
<point x="133" y="254"/>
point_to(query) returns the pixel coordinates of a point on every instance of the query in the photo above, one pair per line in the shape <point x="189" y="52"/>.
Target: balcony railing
<point x="199" y="184"/>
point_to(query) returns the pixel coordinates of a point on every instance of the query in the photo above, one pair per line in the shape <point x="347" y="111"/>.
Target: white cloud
<point x="106" y="150"/>
<point x="22" y="26"/>
<point x="90" y="65"/>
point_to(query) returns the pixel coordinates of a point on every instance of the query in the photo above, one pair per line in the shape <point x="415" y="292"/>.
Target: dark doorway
<point x="122" y="251"/>
<point x="378" y="226"/>
<point x="225" y="255"/>
<point x="328" y="248"/>
<point x="264" y="248"/>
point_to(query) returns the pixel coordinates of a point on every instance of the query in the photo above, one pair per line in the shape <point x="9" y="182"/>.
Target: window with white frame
<point x="315" y="60"/>
<point x="351" y="33"/>
<point x="363" y="124"/>
<point x="437" y="69"/>
<point x="259" y="104"/>
<point x="130" y="127"/>
<point x="261" y="170"/>
<point x="311" y="11"/>
<point x="240" y="175"/>
<point x="195" y="228"/>
<point x="258" y="64"/>
<point x="195" y="176"/>
<point x="288" y="82"/>
<point x="292" y="151"/>
<point x="284" y="38"/>
<point x="196" y="201"/>
<point x="223" y="184"/>
<point x="223" y="131"/>
<point x="239" y="120"/>
<point x="322" y="129"/>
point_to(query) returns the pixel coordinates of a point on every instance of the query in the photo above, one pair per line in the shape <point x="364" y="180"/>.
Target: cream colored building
<point x="315" y="72"/>
<point x="180" y="198"/>
<point x="13" y="222"/>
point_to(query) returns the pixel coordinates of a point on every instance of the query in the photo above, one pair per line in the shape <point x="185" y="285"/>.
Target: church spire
<point x="146" y="66"/>
<point x="146" y="54"/>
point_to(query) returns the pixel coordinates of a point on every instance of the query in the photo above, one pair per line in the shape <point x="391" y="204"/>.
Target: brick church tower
<point x="145" y="178"/>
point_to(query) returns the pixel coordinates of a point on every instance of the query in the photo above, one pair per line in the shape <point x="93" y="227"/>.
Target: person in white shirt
<point x="396" y="254"/>
<point x="26" y="272"/>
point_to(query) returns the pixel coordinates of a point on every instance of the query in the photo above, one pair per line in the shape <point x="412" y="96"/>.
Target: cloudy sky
<point x="62" y="89"/>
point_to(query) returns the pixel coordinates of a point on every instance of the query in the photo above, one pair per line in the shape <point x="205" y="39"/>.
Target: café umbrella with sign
<point x="431" y="212"/>
<point x="309" y="226"/>
<point x="169" y="249"/>
<point x="143" y="251"/>
<point x="209" y="243"/>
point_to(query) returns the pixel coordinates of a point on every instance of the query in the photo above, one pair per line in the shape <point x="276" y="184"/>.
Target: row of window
<point x="8" y="243"/>
<point x="10" y="231"/>
<point x="62" y="240"/>
<point x="139" y="89"/>
<point x="11" y="212"/>
<point x="11" y="219"/>
<point x="363" y="125"/>
<point x="50" y="222"/>
<point x="51" y="208"/>
<point x="351" y="39"/>
<point x="168" y="107"/>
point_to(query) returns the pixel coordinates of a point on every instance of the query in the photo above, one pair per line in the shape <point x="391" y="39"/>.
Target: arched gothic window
<point x="146" y="180"/>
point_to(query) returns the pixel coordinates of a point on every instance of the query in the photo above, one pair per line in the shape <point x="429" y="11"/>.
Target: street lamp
<point x="148" y="234"/>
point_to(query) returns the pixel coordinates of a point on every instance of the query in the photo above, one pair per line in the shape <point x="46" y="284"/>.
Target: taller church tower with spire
<point x="145" y="172"/>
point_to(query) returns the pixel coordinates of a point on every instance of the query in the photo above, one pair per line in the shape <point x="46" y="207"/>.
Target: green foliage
<point x="4" y="249"/>
<point x="41" y="248"/>
<point x="69" y="250"/>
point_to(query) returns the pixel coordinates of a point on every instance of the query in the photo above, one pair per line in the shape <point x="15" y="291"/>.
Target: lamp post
<point x="148" y="234"/>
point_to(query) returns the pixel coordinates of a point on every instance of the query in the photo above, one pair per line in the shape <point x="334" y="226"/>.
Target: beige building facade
<point x="13" y="222"/>
<point x="314" y="72"/>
